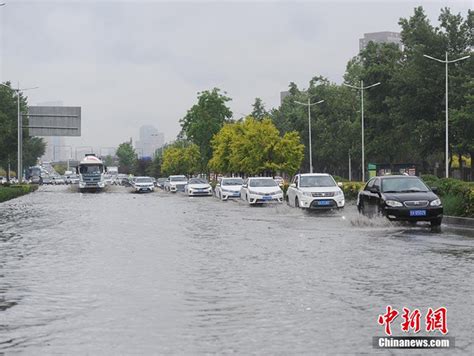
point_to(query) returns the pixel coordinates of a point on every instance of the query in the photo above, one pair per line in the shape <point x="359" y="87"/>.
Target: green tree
<point x="60" y="168"/>
<point x="289" y="153"/>
<point x="258" y="112"/>
<point x="154" y="170"/>
<point x="127" y="156"/>
<point x="335" y="123"/>
<point x="181" y="158"/>
<point x="109" y="161"/>
<point x="255" y="147"/>
<point x="204" y="120"/>
<point x="33" y="147"/>
<point x="222" y="150"/>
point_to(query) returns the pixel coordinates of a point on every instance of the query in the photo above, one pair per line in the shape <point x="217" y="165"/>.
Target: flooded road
<point x="166" y="274"/>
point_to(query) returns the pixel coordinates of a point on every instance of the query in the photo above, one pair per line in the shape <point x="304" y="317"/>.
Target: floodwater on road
<point x="161" y="273"/>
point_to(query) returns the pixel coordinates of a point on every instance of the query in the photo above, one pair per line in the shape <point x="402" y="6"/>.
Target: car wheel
<point x="297" y="203"/>
<point x="436" y="222"/>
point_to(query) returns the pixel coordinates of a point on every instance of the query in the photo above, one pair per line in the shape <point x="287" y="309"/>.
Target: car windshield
<point x="317" y="181"/>
<point x="197" y="181"/>
<point x="236" y="181"/>
<point x="143" y="180"/>
<point x="178" y="179"/>
<point x="91" y="168"/>
<point x="403" y="185"/>
<point x="262" y="183"/>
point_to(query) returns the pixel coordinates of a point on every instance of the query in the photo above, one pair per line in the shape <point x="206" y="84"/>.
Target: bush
<point x="15" y="191"/>
<point x="429" y="179"/>
<point x="352" y="189"/>
<point x="457" y="196"/>
<point x="340" y="179"/>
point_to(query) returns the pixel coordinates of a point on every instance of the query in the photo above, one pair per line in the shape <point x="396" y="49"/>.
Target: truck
<point x="91" y="171"/>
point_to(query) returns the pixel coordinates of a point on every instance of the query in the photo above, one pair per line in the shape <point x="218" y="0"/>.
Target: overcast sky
<point x="132" y="63"/>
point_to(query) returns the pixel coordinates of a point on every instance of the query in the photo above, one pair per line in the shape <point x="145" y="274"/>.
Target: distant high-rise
<point x="150" y="140"/>
<point x="380" y="37"/>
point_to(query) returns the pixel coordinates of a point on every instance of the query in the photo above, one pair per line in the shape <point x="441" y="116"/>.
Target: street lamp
<point x="309" y="104"/>
<point x="362" y="88"/>
<point x="19" y="173"/>
<point x="446" y="61"/>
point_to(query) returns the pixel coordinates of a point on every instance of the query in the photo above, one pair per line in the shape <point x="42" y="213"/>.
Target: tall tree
<point x="127" y="156"/>
<point x="204" y="120"/>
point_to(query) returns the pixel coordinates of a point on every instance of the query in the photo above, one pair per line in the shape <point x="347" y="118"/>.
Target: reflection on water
<point x="161" y="273"/>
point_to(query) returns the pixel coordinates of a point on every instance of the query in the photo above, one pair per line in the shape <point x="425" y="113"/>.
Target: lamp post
<point x="309" y="104"/>
<point x="362" y="88"/>
<point x="19" y="173"/>
<point x="446" y="62"/>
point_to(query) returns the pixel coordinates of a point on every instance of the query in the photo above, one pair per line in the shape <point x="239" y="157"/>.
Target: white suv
<point x="315" y="191"/>
<point x="176" y="183"/>
<point x="259" y="190"/>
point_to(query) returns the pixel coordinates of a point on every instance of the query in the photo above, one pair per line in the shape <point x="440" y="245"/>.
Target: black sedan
<point x="400" y="198"/>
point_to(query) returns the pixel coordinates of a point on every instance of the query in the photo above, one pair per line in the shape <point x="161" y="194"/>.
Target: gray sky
<point x="132" y="63"/>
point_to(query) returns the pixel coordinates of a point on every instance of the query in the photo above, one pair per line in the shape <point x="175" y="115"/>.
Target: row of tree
<point x="405" y="115"/>
<point x="33" y="147"/>
<point x="129" y="162"/>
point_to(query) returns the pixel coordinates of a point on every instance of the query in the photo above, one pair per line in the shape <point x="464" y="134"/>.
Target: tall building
<point x="150" y="140"/>
<point x="380" y="37"/>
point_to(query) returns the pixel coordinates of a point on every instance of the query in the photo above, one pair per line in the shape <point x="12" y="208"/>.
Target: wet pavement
<point x="162" y="273"/>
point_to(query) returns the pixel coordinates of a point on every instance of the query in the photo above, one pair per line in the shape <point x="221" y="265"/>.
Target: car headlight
<point x="393" y="203"/>
<point x="338" y="193"/>
<point x="276" y="192"/>
<point x="253" y="192"/>
<point x="436" y="202"/>
<point x="308" y="194"/>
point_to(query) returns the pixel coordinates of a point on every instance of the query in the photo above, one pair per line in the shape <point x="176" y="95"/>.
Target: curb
<point x="455" y="220"/>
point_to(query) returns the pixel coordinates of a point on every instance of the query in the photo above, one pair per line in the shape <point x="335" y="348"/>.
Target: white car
<point x="176" y="183"/>
<point x="143" y="184"/>
<point x="315" y="191"/>
<point x="228" y="188"/>
<point x="260" y="190"/>
<point x="198" y="186"/>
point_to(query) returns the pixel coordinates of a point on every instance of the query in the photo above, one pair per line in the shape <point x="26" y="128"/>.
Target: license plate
<point x="417" y="212"/>
<point x="324" y="202"/>
<point x="267" y="197"/>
